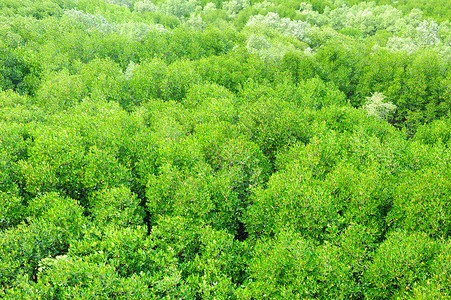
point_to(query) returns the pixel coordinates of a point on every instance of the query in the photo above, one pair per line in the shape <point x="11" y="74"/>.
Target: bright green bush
<point x="401" y="261"/>
<point x="101" y="169"/>
<point x="15" y="72"/>
<point x="421" y="77"/>
<point x="147" y="81"/>
<point x="290" y="266"/>
<point x="435" y="132"/>
<point x="361" y="196"/>
<point x="126" y="249"/>
<point x="63" y="212"/>
<point x="172" y="149"/>
<point x="340" y="64"/>
<point x="118" y="206"/>
<point x="61" y="91"/>
<point x="300" y="66"/>
<point x="357" y="244"/>
<point x="210" y="262"/>
<point x="15" y="139"/>
<point x="440" y="270"/>
<point x="12" y="210"/>
<point x="293" y="200"/>
<point x="317" y="94"/>
<point x="60" y="162"/>
<point x="181" y="75"/>
<point x="421" y="203"/>
<point x="18" y="109"/>
<point x="105" y="81"/>
<point x="234" y="69"/>
<point x="54" y="162"/>
<point x="160" y="191"/>
<point x="22" y="247"/>
<point x="341" y="119"/>
<point x="210" y="104"/>
<point x="274" y="124"/>
<point x="65" y="277"/>
<point x="317" y="158"/>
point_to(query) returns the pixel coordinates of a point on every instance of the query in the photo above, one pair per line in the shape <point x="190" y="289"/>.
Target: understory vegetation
<point x="209" y="149"/>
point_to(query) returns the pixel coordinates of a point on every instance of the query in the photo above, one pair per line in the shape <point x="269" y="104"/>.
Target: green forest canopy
<point x="195" y="149"/>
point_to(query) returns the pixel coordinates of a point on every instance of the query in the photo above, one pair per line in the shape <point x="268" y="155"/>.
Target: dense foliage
<point x="242" y="149"/>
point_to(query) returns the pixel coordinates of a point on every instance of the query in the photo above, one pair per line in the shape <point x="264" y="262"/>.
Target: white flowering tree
<point x="90" y="21"/>
<point x="235" y="6"/>
<point x="285" y="26"/>
<point x="376" y="106"/>
<point x="179" y="8"/>
<point x="143" y="6"/>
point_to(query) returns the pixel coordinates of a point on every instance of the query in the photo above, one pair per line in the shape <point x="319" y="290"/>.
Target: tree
<point x="376" y="107"/>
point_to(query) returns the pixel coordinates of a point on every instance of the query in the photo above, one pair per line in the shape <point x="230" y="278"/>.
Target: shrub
<point x="291" y="267"/>
<point x="71" y="277"/>
<point x="421" y="202"/>
<point x="63" y="212"/>
<point x="361" y="195"/>
<point x="402" y="260"/>
<point x="435" y="132"/>
<point x="22" y="247"/>
<point x="293" y="200"/>
<point x="118" y="206"/>
<point x="125" y="249"/>
<point x="274" y="124"/>
<point x="210" y="103"/>
<point x="60" y="91"/>
<point x="181" y="76"/>
<point x="210" y="262"/>
<point x="147" y="81"/>
<point x="12" y="210"/>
